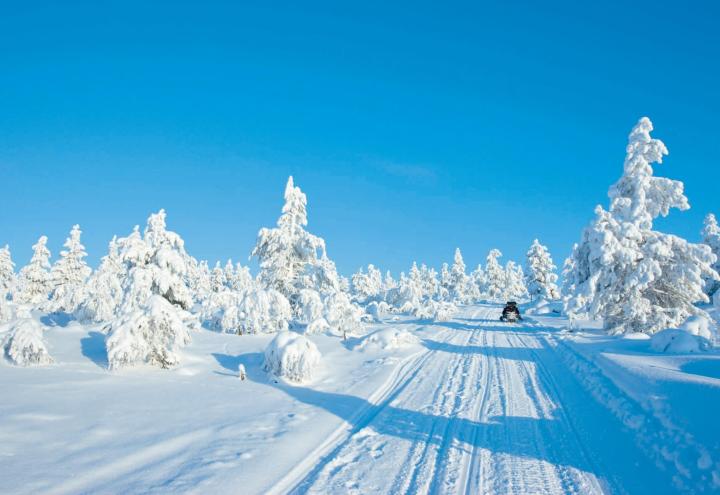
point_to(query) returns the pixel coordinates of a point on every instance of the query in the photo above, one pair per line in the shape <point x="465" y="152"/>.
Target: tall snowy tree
<point x="637" y="279"/>
<point x="7" y="272"/>
<point x="458" y="279"/>
<point x="540" y="276"/>
<point x="34" y="282"/>
<point x="69" y="274"/>
<point x="290" y="258"/>
<point x="153" y="322"/>
<point x="514" y="282"/>
<point x="711" y="237"/>
<point x="494" y="288"/>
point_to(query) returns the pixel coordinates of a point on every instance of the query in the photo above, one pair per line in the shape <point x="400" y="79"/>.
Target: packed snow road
<point x="487" y="408"/>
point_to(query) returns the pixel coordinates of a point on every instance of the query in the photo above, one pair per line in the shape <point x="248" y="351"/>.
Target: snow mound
<point x="699" y="325"/>
<point x="24" y="345"/>
<point x="677" y="341"/>
<point x="636" y="336"/>
<point x="291" y="356"/>
<point x="389" y="338"/>
<point x="542" y="307"/>
<point x="152" y="335"/>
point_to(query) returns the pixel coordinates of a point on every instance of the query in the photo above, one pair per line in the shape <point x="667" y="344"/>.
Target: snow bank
<point x="24" y="345"/>
<point x="444" y="311"/>
<point x="699" y="325"/>
<point x="389" y="338"/>
<point x="542" y="307"/>
<point x="291" y="356"/>
<point x="677" y="341"/>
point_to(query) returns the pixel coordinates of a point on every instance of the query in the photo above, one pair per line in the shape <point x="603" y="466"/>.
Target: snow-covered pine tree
<point x="104" y="288"/>
<point x="445" y="283"/>
<point x="69" y="274"/>
<point x="153" y="320"/>
<point x="458" y="279"/>
<point x="515" y="289"/>
<point x="494" y="288"/>
<point x="540" y="276"/>
<point x="366" y="286"/>
<point x="477" y="278"/>
<point x="711" y="237"/>
<point x="34" y="282"/>
<point x="7" y="273"/>
<point x="285" y="251"/>
<point x="218" y="282"/>
<point x="637" y="279"/>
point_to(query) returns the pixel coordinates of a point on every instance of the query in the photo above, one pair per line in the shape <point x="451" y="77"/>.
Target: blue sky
<point x="413" y="128"/>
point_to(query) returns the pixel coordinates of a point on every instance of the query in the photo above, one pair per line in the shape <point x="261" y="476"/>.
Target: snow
<point x="389" y="338"/>
<point x="292" y="356"/>
<point x="463" y="406"/>
<point x="677" y="341"/>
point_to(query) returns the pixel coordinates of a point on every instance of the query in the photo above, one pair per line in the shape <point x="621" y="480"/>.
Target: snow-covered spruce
<point x="540" y="276"/>
<point x="292" y="356"/>
<point x="69" y="274"/>
<point x="495" y="278"/>
<point x="104" y="288"/>
<point x="635" y="278"/>
<point x="711" y="237"/>
<point x="7" y="273"/>
<point x="514" y="289"/>
<point x="24" y="345"/>
<point x="152" y="334"/>
<point x="341" y="315"/>
<point x="367" y="286"/>
<point x="34" y="282"/>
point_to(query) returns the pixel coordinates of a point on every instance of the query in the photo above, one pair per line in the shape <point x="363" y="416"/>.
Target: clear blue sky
<point x="413" y="127"/>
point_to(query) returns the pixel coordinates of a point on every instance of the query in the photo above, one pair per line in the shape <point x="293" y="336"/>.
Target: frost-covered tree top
<point x="34" y="283"/>
<point x="540" y="276"/>
<point x="634" y="278"/>
<point x="69" y="274"/>
<point x="7" y="272"/>
<point x="156" y="264"/>
<point x="294" y="212"/>
<point x="639" y="197"/>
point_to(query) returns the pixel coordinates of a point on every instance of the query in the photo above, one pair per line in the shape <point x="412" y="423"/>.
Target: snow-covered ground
<point x="467" y="406"/>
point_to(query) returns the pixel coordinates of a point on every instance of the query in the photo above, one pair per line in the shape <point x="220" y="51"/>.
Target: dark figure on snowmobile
<point x="510" y="312"/>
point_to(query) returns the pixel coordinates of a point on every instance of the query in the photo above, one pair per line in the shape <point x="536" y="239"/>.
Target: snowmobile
<point x="510" y="313"/>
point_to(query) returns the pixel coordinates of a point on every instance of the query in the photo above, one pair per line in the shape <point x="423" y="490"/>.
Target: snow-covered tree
<point x="477" y="279"/>
<point x="7" y="273"/>
<point x="153" y="321"/>
<point x="341" y="314"/>
<point x="459" y="280"/>
<point x="514" y="288"/>
<point x="711" y="237"/>
<point x="445" y="283"/>
<point x="218" y="282"/>
<point x="540" y="276"/>
<point x="495" y="278"/>
<point x="634" y="278"/>
<point x="69" y="274"/>
<point x="152" y="334"/>
<point x="285" y="251"/>
<point x="34" y="282"/>
<point x="367" y="286"/>
<point x="24" y="345"/>
<point x="263" y="311"/>
<point x="104" y="288"/>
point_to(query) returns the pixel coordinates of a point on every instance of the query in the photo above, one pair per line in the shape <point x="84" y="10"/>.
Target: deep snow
<point x="467" y="406"/>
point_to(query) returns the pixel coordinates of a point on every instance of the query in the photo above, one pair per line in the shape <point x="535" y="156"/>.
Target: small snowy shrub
<point x="389" y="338"/>
<point x="444" y="311"/>
<point x="377" y="309"/>
<point x="153" y="334"/>
<point x="676" y="341"/>
<point x="291" y="356"/>
<point x="24" y="346"/>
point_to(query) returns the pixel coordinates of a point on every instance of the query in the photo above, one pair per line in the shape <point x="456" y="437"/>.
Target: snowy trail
<point x="482" y="411"/>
